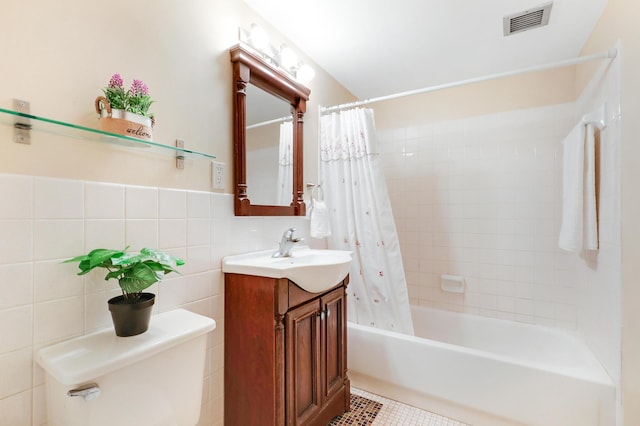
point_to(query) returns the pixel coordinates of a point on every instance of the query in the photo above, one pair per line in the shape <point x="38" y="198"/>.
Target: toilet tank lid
<point x="90" y="356"/>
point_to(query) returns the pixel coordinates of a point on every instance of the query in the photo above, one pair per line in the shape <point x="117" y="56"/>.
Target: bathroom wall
<point x="531" y="90"/>
<point x="472" y="172"/>
<point x="63" y="196"/>
<point x="480" y="197"/>
<point x="44" y="301"/>
<point x="599" y="274"/>
<point x="60" y="55"/>
<point x="618" y="23"/>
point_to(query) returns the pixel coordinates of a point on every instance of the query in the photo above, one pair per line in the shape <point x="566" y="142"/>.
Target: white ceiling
<point x="380" y="47"/>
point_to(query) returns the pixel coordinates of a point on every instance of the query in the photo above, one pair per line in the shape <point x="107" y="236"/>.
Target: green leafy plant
<point x="134" y="272"/>
<point x="136" y="100"/>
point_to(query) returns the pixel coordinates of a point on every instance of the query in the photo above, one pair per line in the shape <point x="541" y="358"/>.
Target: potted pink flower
<point x="125" y="112"/>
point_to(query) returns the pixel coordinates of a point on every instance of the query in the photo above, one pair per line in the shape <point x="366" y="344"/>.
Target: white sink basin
<point x="311" y="269"/>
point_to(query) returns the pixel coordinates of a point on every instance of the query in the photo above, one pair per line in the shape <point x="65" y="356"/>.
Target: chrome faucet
<point x="286" y="243"/>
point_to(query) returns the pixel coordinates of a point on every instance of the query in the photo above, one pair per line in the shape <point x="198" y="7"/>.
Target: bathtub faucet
<point x="286" y="243"/>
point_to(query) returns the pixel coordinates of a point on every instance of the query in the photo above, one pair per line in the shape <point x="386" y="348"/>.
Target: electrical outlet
<point x="217" y="175"/>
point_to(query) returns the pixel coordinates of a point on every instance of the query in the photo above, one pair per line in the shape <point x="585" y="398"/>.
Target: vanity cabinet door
<point x="302" y="364"/>
<point x="334" y="342"/>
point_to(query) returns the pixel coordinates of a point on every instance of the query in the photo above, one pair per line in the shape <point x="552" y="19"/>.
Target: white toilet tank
<point x="154" y="378"/>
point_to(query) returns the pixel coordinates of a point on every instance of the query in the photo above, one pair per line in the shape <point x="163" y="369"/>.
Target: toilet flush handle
<point x="89" y="392"/>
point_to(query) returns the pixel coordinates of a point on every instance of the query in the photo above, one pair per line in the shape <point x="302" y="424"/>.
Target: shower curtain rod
<point x="266" y="123"/>
<point x="610" y="54"/>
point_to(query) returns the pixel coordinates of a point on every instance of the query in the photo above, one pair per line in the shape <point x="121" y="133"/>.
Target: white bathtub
<point x="484" y="371"/>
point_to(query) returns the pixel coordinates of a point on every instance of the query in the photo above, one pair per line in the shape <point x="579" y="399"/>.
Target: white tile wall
<point x="51" y="281"/>
<point x="198" y="205"/>
<point x="16" y="409"/>
<point x="140" y="233"/>
<point x="172" y="233"/>
<point x="141" y="202"/>
<point x="58" y="199"/>
<point x="12" y="338"/>
<point x="17" y="195"/>
<point x="599" y="274"/>
<point x="57" y="238"/>
<point x="104" y="201"/>
<point x="12" y="231"/>
<point x="100" y="233"/>
<point x="479" y="197"/>
<point x="58" y="319"/>
<point x="44" y="301"/>
<point x="12" y="294"/>
<point x="172" y="204"/>
<point x="15" y="367"/>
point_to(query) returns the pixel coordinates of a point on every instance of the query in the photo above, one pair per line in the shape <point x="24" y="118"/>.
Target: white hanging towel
<point x="320" y="226"/>
<point x="579" y="227"/>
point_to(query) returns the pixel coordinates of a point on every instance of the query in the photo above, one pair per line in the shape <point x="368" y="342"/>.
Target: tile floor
<point x="394" y="413"/>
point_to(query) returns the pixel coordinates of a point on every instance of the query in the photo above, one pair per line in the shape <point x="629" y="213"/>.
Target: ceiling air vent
<point x="527" y="20"/>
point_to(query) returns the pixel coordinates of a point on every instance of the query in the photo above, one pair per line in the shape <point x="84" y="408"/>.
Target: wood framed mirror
<point x="258" y="88"/>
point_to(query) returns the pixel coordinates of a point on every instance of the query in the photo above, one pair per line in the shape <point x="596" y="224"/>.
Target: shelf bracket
<point x="22" y="125"/>
<point x="179" y="156"/>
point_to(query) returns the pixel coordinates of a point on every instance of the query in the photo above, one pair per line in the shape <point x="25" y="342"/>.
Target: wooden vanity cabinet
<point x="285" y="352"/>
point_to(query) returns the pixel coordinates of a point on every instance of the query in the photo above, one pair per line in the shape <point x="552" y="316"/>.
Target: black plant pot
<point x="131" y="318"/>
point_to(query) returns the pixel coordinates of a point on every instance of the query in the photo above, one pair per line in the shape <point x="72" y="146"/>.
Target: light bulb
<point x="259" y="38"/>
<point x="288" y="59"/>
<point x="306" y="73"/>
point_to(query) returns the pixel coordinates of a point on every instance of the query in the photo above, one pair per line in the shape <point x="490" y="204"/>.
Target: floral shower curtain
<point x="362" y="220"/>
<point x="285" y="165"/>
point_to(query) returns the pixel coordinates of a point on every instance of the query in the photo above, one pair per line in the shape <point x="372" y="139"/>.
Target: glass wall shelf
<point x="75" y="131"/>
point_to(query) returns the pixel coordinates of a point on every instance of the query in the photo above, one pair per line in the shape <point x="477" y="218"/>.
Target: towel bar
<point x="314" y="189"/>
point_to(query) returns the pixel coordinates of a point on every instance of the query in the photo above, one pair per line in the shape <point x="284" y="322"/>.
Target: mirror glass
<point x="267" y="147"/>
<point x="268" y="143"/>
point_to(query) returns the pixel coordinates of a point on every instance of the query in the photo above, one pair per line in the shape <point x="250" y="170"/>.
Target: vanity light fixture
<point x="258" y="37"/>
<point x="306" y="73"/>
<point x="284" y="58"/>
<point x="288" y="59"/>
